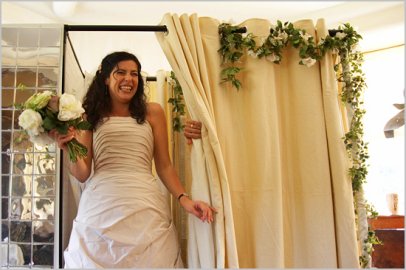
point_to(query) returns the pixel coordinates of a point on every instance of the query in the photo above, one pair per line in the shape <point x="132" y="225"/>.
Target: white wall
<point x="381" y="23"/>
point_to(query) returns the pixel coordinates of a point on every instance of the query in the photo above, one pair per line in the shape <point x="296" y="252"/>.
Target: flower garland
<point x="178" y="106"/>
<point x="233" y="45"/>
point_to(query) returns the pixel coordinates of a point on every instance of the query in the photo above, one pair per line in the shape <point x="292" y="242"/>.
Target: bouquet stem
<point x="76" y="150"/>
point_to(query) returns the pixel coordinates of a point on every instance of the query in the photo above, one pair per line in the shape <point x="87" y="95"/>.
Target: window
<point x="385" y="75"/>
<point x="29" y="195"/>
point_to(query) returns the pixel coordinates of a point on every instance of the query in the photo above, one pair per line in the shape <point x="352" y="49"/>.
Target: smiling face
<point x="123" y="82"/>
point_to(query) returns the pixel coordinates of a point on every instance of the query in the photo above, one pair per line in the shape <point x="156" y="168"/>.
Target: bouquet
<point x="45" y="111"/>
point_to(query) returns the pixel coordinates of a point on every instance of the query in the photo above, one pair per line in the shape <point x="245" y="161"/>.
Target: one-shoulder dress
<point x="123" y="218"/>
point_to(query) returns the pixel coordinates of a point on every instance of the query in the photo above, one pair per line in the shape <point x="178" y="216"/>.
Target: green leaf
<point x="48" y="124"/>
<point x="84" y="125"/>
<point x="62" y="129"/>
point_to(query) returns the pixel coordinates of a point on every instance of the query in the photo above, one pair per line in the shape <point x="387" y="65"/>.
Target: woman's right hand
<point x="62" y="139"/>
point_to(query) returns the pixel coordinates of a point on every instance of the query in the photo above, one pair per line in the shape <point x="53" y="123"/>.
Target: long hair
<point x="97" y="102"/>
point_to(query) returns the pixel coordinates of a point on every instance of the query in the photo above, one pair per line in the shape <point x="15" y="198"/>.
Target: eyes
<point x="121" y="73"/>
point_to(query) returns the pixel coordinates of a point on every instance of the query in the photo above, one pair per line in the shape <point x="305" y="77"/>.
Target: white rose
<point x="308" y="61"/>
<point x="69" y="108"/>
<point x="31" y="121"/>
<point x="41" y="139"/>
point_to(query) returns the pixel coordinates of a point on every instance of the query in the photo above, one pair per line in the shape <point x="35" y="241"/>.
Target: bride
<point x="123" y="219"/>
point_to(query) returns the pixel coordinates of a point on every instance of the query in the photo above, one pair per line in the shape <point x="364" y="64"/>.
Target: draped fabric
<point x="208" y="245"/>
<point x="271" y="158"/>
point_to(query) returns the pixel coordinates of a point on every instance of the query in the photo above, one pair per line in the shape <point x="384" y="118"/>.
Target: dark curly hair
<point x="97" y="102"/>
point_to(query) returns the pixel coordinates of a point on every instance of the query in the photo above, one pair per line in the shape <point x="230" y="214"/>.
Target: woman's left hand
<point x="200" y="209"/>
<point x="192" y="130"/>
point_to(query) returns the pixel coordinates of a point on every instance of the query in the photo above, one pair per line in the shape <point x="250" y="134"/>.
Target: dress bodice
<point x="121" y="144"/>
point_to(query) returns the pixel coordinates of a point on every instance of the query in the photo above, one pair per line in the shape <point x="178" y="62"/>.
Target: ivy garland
<point x="178" y="106"/>
<point x="233" y="45"/>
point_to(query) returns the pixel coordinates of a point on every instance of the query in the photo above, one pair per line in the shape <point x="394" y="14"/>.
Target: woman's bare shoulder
<point x="154" y="108"/>
<point x="154" y="112"/>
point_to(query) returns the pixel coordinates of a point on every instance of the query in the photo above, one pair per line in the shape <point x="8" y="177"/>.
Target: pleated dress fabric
<point x="123" y="219"/>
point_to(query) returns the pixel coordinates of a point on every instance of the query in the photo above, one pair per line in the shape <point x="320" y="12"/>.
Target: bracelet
<point x="181" y="195"/>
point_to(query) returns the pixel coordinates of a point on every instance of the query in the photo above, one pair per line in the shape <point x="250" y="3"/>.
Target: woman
<point x="123" y="218"/>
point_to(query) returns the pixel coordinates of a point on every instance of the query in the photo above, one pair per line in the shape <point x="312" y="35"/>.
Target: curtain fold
<point x="271" y="158"/>
<point x="209" y="245"/>
<point x="339" y="162"/>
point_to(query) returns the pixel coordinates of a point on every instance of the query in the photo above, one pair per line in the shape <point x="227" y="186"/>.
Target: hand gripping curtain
<point x="276" y="145"/>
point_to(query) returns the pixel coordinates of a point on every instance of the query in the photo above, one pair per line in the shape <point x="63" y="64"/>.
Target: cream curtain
<point x="271" y="159"/>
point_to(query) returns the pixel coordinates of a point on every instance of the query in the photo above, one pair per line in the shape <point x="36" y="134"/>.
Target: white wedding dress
<point x="123" y="219"/>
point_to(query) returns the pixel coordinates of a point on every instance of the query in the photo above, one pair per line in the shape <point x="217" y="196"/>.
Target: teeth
<point x="125" y="88"/>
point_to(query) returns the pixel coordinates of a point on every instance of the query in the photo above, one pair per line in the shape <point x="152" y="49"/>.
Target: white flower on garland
<point x="282" y="36"/>
<point x="308" y="61"/>
<point x="273" y="58"/>
<point x="305" y="36"/>
<point x="341" y="35"/>
<point x="252" y="54"/>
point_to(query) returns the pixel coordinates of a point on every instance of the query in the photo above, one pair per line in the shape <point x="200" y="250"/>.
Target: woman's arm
<point x="81" y="169"/>
<point x="164" y="168"/>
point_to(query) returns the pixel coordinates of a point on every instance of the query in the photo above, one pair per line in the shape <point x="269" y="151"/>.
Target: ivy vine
<point x="234" y="44"/>
<point x="178" y="105"/>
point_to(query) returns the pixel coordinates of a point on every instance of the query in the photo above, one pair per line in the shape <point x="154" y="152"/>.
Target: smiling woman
<point x="124" y="219"/>
<point x="122" y="86"/>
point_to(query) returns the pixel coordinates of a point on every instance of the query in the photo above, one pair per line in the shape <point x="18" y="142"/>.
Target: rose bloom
<point x="69" y="108"/>
<point x="38" y="100"/>
<point x="53" y="104"/>
<point x="31" y="121"/>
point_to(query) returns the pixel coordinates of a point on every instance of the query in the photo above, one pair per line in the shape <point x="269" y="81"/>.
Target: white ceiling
<point x="381" y="23"/>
